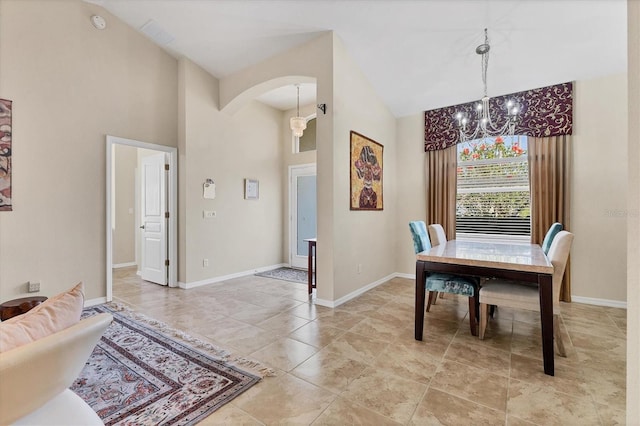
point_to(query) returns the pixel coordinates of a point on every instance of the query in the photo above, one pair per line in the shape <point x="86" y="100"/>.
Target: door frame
<point x="172" y="194"/>
<point x="292" y="203"/>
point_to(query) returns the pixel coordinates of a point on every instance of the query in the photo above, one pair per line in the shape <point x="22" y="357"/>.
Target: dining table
<point x="518" y="262"/>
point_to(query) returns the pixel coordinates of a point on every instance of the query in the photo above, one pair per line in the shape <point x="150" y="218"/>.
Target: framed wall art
<point x="366" y="168"/>
<point x="251" y="189"/>
<point x="5" y="155"/>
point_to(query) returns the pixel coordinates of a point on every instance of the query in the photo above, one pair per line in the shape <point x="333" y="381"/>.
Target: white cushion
<point x="54" y="314"/>
<point x="512" y="294"/>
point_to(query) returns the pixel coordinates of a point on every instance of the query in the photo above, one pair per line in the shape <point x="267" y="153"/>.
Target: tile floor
<point x="360" y="364"/>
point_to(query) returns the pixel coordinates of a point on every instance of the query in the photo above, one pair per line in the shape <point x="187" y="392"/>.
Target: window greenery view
<point x="493" y="194"/>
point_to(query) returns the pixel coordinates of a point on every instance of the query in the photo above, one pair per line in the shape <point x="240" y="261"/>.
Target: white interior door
<point x="303" y="213"/>
<point x="154" y="222"/>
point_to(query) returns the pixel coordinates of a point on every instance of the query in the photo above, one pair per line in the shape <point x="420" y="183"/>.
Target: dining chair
<point x="522" y="296"/>
<point x="445" y="283"/>
<point x="437" y="234"/>
<point x="549" y="236"/>
<point x="437" y="237"/>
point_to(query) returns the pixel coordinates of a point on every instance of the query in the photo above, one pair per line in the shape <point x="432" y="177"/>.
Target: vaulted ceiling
<point x="417" y="55"/>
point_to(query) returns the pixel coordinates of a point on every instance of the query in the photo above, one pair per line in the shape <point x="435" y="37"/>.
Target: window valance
<point x="544" y="112"/>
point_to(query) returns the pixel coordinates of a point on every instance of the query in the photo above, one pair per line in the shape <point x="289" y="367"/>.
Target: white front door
<point x="303" y="213"/>
<point x="154" y="222"/>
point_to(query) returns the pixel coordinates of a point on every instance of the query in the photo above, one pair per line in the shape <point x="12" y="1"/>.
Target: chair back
<point x="558" y="255"/>
<point x="551" y="234"/>
<point x="437" y="234"/>
<point x="420" y="237"/>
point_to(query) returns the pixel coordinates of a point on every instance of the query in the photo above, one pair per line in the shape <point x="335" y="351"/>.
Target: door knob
<point x="141" y="226"/>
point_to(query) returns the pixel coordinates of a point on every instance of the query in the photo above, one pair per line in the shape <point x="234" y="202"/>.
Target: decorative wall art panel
<point x="5" y="155"/>
<point x="365" y="173"/>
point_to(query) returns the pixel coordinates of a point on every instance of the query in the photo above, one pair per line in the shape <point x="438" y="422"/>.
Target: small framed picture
<point x="251" y="189"/>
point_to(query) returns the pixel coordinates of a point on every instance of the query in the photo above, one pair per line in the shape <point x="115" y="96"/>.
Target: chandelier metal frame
<point x="485" y="127"/>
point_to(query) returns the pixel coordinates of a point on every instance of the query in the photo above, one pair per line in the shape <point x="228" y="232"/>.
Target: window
<point x="493" y="187"/>
<point x="307" y="142"/>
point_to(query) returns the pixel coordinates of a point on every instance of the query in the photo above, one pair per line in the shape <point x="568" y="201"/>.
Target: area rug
<point x="287" y="274"/>
<point x="139" y="375"/>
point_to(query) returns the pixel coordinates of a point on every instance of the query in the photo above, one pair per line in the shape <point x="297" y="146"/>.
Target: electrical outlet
<point x="33" y="287"/>
<point x="208" y="214"/>
<point x="205" y="263"/>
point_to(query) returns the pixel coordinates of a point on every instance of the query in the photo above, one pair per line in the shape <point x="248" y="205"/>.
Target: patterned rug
<point x="288" y="274"/>
<point x="138" y="375"/>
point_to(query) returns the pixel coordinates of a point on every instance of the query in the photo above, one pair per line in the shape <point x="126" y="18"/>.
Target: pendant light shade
<point x="297" y="123"/>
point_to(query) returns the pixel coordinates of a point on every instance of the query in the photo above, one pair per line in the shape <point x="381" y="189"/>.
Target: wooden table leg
<point x="545" y="285"/>
<point x="420" y="272"/>
<point x="310" y="267"/>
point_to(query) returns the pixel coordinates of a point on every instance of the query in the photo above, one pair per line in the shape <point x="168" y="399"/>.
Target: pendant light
<point x="297" y="123"/>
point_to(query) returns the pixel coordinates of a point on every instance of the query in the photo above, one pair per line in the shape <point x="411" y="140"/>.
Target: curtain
<point x="441" y="167"/>
<point x="549" y="175"/>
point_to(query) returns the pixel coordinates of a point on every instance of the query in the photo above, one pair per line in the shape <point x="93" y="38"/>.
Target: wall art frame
<point x="6" y="108"/>
<point x="365" y="173"/>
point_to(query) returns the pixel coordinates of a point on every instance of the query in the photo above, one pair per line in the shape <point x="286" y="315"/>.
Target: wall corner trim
<point x="354" y="294"/>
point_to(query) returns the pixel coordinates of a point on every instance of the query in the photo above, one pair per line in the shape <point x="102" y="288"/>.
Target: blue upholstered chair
<point x="445" y="283"/>
<point x="551" y="234"/>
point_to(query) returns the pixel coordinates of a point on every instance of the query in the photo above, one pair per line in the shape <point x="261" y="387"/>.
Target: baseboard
<point x="353" y="294"/>
<point x="215" y="280"/>
<point x="123" y="265"/>
<point x="403" y="275"/>
<point x="94" y="302"/>
<point x="599" y="302"/>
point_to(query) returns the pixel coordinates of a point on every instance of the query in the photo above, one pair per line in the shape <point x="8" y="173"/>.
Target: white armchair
<point x="34" y="378"/>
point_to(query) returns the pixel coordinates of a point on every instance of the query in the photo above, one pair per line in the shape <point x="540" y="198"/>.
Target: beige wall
<point x="124" y="231"/>
<point x="345" y="238"/>
<point x="245" y="234"/>
<point x="310" y="62"/>
<point x="633" y="218"/>
<point x="599" y="189"/>
<point x="71" y="85"/>
<point x="364" y="238"/>
<point x="412" y="203"/>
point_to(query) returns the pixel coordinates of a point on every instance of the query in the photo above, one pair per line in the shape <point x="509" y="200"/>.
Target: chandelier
<point x="485" y="126"/>
<point x="297" y="123"/>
